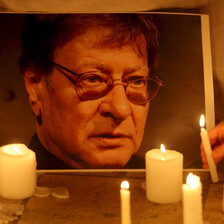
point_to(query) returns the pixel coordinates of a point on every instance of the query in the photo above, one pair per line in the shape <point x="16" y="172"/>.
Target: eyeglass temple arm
<point x="62" y="67"/>
<point x="159" y="80"/>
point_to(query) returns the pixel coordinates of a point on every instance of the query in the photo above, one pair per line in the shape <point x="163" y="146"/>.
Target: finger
<point x="218" y="153"/>
<point x="205" y="165"/>
<point x="204" y="162"/>
<point x="216" y="134"/>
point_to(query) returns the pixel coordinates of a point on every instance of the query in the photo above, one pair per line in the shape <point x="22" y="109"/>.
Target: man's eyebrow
<point x="105" y="68"/>
<point x="136" y="68"/>
<point x="93" y="64"/>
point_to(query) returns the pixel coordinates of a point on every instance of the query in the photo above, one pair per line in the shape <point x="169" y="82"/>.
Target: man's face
<point x="101" y="133"/>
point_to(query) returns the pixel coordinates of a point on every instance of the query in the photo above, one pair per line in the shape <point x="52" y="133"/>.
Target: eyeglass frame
<point x="158" y="81"/>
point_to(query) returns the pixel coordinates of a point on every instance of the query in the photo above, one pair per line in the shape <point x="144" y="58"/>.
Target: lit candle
<point x="17" y="171"/>
<point x="192" y="200"/>
<point x="208" y="150"/>
<point x="164" y="175"/>
<point x="125" y="203"/>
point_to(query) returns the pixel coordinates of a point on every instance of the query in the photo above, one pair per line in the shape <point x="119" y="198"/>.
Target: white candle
<point x="125" y="203"/>
<point x="192" y="200"/>
<point x="164" y="175"/>
<point x="208" y="150"/>
<point x="17" y="171"/>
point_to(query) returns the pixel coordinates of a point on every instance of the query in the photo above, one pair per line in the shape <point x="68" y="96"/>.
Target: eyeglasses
<point x="95" y="84"/>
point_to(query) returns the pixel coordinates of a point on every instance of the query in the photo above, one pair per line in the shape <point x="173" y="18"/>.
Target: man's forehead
<point x="103" y="34"/>
<point x="101" y="37"/>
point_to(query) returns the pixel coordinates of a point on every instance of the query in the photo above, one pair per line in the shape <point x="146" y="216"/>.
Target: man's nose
<point x="116" y="104"/>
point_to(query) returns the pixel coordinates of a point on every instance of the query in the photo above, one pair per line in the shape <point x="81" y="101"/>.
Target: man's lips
<point x="110" y="139"/>
<point x="110" y="135"/>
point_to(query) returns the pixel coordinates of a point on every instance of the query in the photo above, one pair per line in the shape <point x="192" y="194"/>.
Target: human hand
<point x="216" y="137"/>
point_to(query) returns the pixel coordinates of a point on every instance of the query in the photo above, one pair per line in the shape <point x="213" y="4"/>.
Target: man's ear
<point x="32" y="84"/>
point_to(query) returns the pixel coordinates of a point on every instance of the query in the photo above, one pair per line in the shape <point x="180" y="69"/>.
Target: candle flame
<point x="202" y="121"/>
<point x="125" y="185"/>
<point x="193" y="180"/>
<point x="16" y="149"/>
<point x="163" y="150"/>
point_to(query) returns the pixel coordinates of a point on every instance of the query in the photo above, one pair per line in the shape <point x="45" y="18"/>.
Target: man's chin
<point x="102" y="163"/>
<point x="109" y="162"/>
<point x="98" y="165"/>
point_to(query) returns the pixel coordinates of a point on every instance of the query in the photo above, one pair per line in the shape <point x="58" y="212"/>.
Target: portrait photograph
<point x="39" y="113"/>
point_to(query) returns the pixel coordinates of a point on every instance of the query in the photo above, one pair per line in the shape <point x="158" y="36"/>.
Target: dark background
<point x="174" y="114"/>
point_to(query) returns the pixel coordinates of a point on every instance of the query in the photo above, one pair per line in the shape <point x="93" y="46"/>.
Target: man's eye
<point x="93" y="79"/>
<point x="137" y="81"/>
